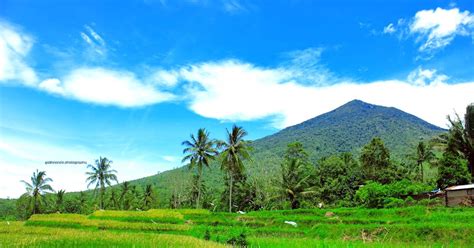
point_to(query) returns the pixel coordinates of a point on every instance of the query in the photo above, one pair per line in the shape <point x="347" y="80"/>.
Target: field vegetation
<point x="416" y="226"/>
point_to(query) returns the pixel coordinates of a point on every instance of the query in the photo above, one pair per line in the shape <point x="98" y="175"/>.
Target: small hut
<point x="456" y="195"/>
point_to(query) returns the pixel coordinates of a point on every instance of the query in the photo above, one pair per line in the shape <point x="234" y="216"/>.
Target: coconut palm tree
<point x="234" y="151"/>
<point x="295" y="183"/>
<point x="148" y="197"/>
<point x="199" y="153"/>
<point x="60" y="200"/>
<point x="39" y="185"/>
<point x="101" y="175"/>
<point x="423" y="153"/>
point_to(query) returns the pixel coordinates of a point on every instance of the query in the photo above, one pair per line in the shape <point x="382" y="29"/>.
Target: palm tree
<point x="125" y="188"/>
<point x="60" y="199"/>
<point x="148" y="197"/>
<point x="101" y="175"/>
<point x="294" y="182"/>
<point x="423" y="153"/>
<point x="113" y="203"/>
<point x="39" y="185"/>
<point x="199" y="152"/>
<point x="234" y="151"/>
<point x="460" y="139"/>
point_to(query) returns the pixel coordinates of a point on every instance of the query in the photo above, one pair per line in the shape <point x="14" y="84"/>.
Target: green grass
<point x="342" y="227"/>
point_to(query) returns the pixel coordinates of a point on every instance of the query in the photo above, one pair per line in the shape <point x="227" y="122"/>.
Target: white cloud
<point x="107" y="87"/>
<point x="52" y="85"/>
<point x="14" y="48"/>
<point x="437" y="28"/>
<point x="236" y="91"/>
<point x="434" y="29"/>
<point x="423" y="77"/>
<point x="389" y="29"/>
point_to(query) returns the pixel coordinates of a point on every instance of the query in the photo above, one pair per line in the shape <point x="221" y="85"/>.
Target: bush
<point x="372" y="195"/>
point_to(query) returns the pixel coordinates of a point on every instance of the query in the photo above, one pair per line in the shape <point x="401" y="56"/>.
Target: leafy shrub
<point x="372" y="195"/>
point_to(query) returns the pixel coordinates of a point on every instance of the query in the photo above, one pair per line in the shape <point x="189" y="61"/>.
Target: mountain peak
<point x="356" y="103"/>
<point x="351" y="126"/>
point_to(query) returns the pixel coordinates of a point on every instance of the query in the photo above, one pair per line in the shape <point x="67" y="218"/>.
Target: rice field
<point x="342" y="227"/>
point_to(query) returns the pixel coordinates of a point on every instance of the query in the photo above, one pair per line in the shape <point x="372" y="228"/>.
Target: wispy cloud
<point x="95" y="43"/>
<point x="389" y="29"/>
<point x="15" y="46"/>
<point x="233" y="6"/>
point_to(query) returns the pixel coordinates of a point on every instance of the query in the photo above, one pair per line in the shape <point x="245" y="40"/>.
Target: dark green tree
<point x="38" y="187"/>
<point x="452" y="170"/>
<point x="338" y="178"/>
<point x="199" y="152"/>
<point x="101" y="175"/>
<point x="234" y="151"/>
<point x="375" y="162"/>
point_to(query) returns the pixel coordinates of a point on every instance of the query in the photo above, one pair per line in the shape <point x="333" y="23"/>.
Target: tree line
<point x="372" y="180"/>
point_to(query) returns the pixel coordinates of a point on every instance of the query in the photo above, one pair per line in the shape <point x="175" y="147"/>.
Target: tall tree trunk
<point x="231" y="182"/>
<point x="199" y="188"/>
<point x="101" y="204"/>
<point x="35" y="204"/>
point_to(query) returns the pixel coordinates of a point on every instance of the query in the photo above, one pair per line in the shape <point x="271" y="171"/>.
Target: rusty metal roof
<point x="461" y="187"/>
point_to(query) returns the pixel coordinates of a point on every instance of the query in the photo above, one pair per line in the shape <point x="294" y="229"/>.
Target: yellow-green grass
<point x="152" y="215"/>
<point x="82" y="221"/>
<point x="16" y="234"/>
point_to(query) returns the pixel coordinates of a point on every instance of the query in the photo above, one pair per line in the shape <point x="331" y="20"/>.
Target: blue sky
<point x="130" y="81"/>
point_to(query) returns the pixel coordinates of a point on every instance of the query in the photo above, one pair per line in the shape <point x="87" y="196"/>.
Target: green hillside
<point x="345" y="129"/>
